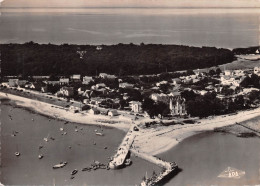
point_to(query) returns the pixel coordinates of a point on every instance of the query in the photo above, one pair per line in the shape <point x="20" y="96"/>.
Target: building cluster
<point x="108" y="91"/>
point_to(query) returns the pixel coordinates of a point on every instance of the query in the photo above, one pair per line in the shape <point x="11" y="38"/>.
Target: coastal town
<point x="141" y="105"/>
<point x="164" y="96"/>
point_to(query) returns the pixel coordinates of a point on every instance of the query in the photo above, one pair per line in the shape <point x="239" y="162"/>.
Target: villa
<point x="67" y="91"/>
<point x="177" y="106"/>
<point x="136" y="106"/>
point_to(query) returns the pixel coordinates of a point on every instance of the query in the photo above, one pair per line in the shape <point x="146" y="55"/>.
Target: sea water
<point x="228" y="28"/>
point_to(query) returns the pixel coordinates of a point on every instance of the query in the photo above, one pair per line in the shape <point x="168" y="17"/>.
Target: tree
<point x="189" y="72"/>
<point x="148" y="106"/>
<point x="188" y="95"/>
<point x="218" y="71"/>
<point x="161" y="109"/>
<point x="212" y="72"/>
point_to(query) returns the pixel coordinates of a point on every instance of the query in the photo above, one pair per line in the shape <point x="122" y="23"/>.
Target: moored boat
<point x="60" y="165"/>
<point x="99" y="134"/>
<point x="74" y="172"/>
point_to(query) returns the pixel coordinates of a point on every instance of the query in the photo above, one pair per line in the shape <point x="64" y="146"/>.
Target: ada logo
<point x="231" y="173"/>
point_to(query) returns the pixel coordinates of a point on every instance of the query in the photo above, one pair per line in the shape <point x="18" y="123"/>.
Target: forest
<point x="122" y="59"/>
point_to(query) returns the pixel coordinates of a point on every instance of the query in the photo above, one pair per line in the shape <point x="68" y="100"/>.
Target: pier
<point x="152" y="159"/>
<point x="123" y="150"/>
<point x="169" y="169"/>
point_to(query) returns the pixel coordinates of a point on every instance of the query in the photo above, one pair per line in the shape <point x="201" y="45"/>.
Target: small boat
<point x="96" y="130"/>
<point x="72" y="177"/>
<point x="60" y="165"/>
<point x="76" y="130"/>
<point x="128" y="162"/>
<point x="46" y="139"/>
<point x="74" y="172"/>
<point x="52" y="138"/>
<point x="17" y="153"/>
<point x="105" y="147"/>
<point x="64" y="133"/>
<point x="86" y="169"/>
<point x="41" y="146"/>
<point x="61" y="129"/>
<point x="40" y="156"/>
<point x="99" y="134"/>
<point x="32" y="119"/>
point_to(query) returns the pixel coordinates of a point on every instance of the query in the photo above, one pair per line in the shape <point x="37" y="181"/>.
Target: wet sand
<point x="27" y="169"/>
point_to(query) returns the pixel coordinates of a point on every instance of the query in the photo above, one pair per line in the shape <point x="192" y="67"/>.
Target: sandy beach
<point x="157" y="140"/>
<point x="60" y="113"/>
<point x="152" y="141"/>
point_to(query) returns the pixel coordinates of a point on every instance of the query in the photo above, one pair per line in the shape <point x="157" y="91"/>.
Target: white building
<point x="112" y="113"/>
<point x="104" y="75"/>
<point x="160" y="97"/>
<point x="75" y="77"/>
<point x="136" y="106"/>
<point x="125" y="85"/>
<point x="87" y="79"/>
<point x="94" y="111"/>
<point x="161" y="83"/>
<point x="177" y="106"/>
<point x="257" y="71"/>
<point x="227" y="73"/>
<point x="64" y="81"/>
<point x="16" y="82"/>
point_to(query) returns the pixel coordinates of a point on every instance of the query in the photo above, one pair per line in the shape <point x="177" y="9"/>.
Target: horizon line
<point x="165" y="7"/>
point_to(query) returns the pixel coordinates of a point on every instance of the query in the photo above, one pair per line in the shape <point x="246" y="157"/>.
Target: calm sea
<point x="27" y="169"/>
<point x="227" y="28"/>
<point x="201" y="157"/>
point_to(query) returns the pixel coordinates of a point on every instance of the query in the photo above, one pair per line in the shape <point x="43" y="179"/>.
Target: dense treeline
<point x="122" y="59"/>
<point x="249" y="50"/>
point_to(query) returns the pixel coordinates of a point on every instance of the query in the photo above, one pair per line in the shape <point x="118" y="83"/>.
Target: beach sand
<point x="155" y="141"/>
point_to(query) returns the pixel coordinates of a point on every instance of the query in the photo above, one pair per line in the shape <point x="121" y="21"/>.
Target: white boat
<point x="60" y="165"/>
<point x="46" y="139"/>
<point x="76" y="130"/>
<point x="40" y="156"/>
<point x="99" y="134"/>
<point x="61" y="129"/>
<point x="17" y="153"/>
<point x="128" y="162"/>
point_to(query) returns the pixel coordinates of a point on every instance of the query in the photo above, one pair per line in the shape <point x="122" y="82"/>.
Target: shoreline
<point x="152" y="141"/>
<point x="160" y="140"/>
<point x="60" y="113"/>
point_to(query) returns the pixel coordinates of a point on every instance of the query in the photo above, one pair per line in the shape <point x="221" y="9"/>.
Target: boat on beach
<point x="128" y="162"/>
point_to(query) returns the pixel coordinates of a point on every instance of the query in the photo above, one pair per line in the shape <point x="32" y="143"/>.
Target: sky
<point x="130" y="3"/>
